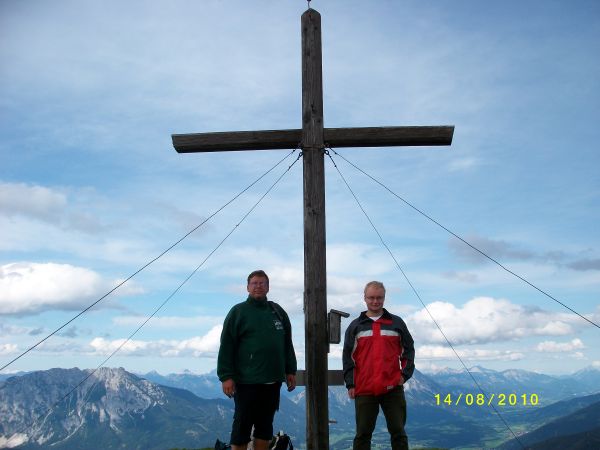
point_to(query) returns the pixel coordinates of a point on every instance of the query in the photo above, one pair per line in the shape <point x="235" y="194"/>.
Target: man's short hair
<point x="258" y="273"/>
<point x="375" y="284"/>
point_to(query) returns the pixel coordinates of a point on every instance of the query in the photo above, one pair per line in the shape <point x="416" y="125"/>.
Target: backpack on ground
<point x="281" y="441"/>
<point x="221" y="445"/>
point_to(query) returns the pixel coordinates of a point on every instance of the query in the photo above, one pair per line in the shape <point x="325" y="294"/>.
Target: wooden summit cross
<point x="312" y="138"/>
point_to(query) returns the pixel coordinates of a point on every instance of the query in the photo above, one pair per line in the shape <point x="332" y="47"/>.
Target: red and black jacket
<point x="378" y="355"/>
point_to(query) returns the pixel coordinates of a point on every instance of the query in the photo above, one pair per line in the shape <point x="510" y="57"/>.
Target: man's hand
<point x="290" y="380"/>
<point x="351" y="393"/>
<point x="228" y="387"/>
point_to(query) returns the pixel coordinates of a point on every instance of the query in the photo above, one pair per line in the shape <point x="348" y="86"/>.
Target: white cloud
<point x="357" y="258"/>
<point x="132" y="347"/>
<point x="287" y="287"/>
<point x="485" y="319"/>
<point x="446" y="353"/>
<point x="30" y="288"/>
<point x="560" y="347"/>
<point x="13" y="441"/>
<point x="427" y="366"/>
<point x="7" y="349"/>
<point x="9" y="329"/>
<point x="554" y="328"/>
<point x="345" y="293"/>
<point x="31" y="201"/>
<point x="198" y="346"/>
<point x="201" y="345"/>
<point x="138" y="98"/>
<point x="169" y="322"/>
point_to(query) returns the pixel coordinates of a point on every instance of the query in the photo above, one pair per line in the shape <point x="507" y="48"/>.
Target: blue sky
<point x="91" y="188"/>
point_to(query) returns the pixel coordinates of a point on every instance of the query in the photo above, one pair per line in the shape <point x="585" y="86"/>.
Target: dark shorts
<point x="255" y="404"/>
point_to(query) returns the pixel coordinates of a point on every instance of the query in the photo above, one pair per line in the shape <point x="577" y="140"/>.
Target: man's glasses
<point x="375" y="299"/>
<point x="258" y="283"/>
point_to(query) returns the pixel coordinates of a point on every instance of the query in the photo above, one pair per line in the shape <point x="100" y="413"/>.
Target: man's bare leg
<point x="261" y="444"/>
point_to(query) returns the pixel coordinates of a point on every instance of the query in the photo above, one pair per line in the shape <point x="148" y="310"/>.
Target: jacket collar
<point x="386" y="316"/>
<point x="259" y="303"/>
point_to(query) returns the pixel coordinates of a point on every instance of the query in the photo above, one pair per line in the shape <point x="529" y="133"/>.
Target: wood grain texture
<point x="313" y="138"/>
<point x="330" y="137"/>
<point x="315" y="272"/>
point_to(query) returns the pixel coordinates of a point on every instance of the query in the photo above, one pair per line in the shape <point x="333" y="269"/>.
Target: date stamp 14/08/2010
<point x="486" y="400"/>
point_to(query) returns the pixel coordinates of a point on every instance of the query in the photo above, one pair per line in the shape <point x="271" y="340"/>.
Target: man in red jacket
<point x="378" y="359"/>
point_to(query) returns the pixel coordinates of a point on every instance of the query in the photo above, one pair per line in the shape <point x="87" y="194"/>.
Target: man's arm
<point x="226" y="357"/>
<point x="228" y="387"/>
<point x="407" y="359"/>
<point x="290" y="354"/>
<point x="351" y="393"/>
<point x="290" y="381"/>
<point x="348" y="363"/>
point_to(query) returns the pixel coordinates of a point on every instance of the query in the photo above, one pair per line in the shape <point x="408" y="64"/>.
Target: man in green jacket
<point x="255" y="357"/>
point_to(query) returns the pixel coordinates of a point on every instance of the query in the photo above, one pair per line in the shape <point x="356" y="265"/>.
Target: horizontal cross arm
<point x="333" y="137"/>
<point x="237" y="140"/>
<point x="388" y="136"/>
<point x="334" y="378"/>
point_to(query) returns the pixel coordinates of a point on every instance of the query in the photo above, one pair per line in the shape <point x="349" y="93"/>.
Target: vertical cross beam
<point x="315" y="274"/>
<point x="312" y="137"/>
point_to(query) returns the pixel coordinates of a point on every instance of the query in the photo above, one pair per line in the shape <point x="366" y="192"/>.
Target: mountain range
<point x="580" y="429"/>
<point x="112" y="408"/>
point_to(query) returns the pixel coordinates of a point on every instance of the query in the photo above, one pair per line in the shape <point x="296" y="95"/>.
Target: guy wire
<point x="177" y="289"/>
<point x="467" y="243"/>
<point x="419" y="297"/>
<point x="145" y="265"/>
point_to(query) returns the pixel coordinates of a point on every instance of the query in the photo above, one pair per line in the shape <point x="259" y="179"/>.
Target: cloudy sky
<point x="91" y="189"/>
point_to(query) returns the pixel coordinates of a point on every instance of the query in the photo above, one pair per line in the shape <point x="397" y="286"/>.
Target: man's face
<point x="374" y="298"/>
<point x="258" y="287"/>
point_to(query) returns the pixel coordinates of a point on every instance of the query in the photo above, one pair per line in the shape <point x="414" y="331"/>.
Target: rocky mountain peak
<point x="60" y="401"/>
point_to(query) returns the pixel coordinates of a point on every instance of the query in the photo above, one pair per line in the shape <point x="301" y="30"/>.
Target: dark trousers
<point x="393" y="405"/>
<point x="255" y="405"/>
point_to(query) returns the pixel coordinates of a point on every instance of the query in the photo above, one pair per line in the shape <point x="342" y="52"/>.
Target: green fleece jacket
<point x="256" y="344"/>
